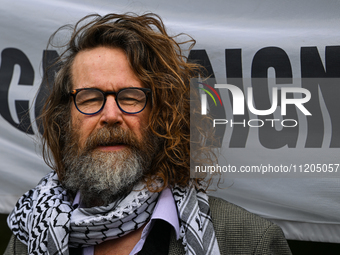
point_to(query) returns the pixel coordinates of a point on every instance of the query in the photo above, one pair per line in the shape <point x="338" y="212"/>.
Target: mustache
<point x="111" y="136"/>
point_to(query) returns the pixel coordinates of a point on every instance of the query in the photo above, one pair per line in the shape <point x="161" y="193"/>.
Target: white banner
<point x="236" y="41"/>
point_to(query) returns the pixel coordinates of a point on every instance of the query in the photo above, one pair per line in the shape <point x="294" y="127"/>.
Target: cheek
<point x="145" y="114"/>
<point x="138" y="124"/>
<point x="77" y="124"/>
<point x="75" y="119"/>
<point x="143" y="123"/>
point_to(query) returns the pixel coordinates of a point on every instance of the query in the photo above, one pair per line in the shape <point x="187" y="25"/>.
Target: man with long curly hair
<point x="117" y="136"/>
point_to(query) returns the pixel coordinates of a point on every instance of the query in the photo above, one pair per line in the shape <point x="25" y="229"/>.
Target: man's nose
<point x="111" y="114"/>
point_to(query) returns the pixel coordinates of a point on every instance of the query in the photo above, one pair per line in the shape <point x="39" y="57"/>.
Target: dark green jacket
<point x="237" y="230"/>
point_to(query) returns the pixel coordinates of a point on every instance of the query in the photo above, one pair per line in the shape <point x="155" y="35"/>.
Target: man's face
<point x="107" y="69"/>
<point x="106" y="153"/>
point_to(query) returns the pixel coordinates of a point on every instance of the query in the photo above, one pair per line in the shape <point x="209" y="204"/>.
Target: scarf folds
<point x="45" y="220"/>
<point x="196" y="227"/>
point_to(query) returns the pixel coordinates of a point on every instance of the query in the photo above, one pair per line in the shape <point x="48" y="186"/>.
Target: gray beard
<point x="103" y="177"/>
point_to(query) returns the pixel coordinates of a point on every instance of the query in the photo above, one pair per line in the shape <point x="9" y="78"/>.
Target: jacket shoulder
<point x="241" y="232"/>
<point x="15" y="246"/>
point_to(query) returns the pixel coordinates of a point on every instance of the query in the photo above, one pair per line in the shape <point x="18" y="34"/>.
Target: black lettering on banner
<point x="9" y="58"/>
<point x="201" y="57"/>
<point x="49" y="71"/>
<point x="233" y="60"/>
<point x="277" y="58"/>
<point x="316" y="77"/>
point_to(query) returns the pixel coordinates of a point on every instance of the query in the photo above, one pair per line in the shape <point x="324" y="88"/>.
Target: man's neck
<point x="93" y="201"/>
<point x="120" y="246"/>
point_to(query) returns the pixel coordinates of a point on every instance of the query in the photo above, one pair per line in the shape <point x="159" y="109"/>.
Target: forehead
<point x="104" y="68"/>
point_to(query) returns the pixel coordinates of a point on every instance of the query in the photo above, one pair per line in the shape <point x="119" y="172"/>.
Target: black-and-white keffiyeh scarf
<point x="45" y="220"/>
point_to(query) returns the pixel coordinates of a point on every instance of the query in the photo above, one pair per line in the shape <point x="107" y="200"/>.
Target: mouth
<point x="111" y="147"/>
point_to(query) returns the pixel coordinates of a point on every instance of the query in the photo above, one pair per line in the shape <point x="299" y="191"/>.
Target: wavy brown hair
<point x="157" y="60"/>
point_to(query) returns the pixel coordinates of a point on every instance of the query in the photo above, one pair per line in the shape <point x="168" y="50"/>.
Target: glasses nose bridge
<point x="107" y="93"/>
<point x="114" y="93"/>
<point x="110" y="93"/>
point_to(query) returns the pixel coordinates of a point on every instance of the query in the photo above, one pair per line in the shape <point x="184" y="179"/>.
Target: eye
<point x="131" y="97"/>
<point x="129" y="100"/>
<point x="92" y="100"/>
<point x="89" y="97"/>
<point x="89" y="100"/>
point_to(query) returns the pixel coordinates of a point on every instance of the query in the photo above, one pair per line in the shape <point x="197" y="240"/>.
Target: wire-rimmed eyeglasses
<point x="90" y="101"/>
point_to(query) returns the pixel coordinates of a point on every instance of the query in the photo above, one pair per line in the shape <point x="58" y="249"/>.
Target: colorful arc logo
<point x="204" y="97"/>
<point x="209" y="93"/>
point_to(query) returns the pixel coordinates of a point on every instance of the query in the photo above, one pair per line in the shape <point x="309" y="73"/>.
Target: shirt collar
<point x="166" y="210"/>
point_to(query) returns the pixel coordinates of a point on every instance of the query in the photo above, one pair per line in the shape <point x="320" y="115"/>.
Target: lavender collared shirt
<point x="165" y="209"/>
